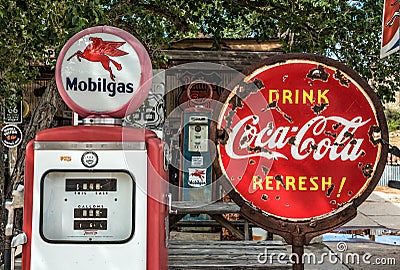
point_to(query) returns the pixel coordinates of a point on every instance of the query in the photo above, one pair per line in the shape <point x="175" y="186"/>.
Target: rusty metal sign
<point x="300" y="138"/>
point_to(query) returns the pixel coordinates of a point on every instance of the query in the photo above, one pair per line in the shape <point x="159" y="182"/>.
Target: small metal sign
<point x="11" y="136"/>
<point x="301" y="141"/>
<point x="13" y="115"/>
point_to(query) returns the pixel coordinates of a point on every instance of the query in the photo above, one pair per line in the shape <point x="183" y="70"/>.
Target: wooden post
<point x="12" y="159"/>
<point x="297" y="257"/>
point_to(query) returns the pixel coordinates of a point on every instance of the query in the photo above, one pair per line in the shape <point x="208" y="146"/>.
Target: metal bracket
<point x="18" y="240"/>
<point x="394" y="150"/>
<point x="170" y="210"/>
<point x="11" y="205"/>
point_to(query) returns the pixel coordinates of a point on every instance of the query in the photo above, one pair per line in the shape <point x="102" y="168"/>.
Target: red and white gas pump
<point x="95" y="193"/>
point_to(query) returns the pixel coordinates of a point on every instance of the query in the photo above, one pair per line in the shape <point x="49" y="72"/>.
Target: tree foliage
<point x="345" y="30"/>
<point x="29" y="27"/>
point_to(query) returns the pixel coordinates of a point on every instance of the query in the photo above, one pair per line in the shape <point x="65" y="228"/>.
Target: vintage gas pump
<point x="196" y="158"/>
<point x="94" y="193"/>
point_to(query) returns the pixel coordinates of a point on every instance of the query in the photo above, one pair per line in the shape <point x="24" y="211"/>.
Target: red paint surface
<point x="157" y="252"/>
<point x="391" y="21"/>
<point x="291" y="202"/>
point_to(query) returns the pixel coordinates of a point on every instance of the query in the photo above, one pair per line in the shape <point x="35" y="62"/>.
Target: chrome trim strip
<point x="102" y="121"/>
<point x="90" y="146"/>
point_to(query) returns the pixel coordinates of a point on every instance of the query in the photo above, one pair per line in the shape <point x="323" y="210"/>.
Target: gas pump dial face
<point x="199" y="136"/>
<point x="87" y="206"/>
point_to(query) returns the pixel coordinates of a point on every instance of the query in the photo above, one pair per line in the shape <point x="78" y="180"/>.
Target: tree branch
<point x="179" y="21"/>
<point x="41" y="119"/>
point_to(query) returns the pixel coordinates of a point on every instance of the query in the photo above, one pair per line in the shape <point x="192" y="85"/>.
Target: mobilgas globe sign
<point x="101" y="70"/>
<point x="303" y="137"/>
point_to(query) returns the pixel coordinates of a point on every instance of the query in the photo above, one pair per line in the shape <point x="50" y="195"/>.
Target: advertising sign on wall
<point x="11" y="136"/>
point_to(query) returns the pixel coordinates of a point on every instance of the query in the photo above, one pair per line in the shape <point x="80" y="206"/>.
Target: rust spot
<point x="236" y="102"/>
<point x="348" y="135"/>
<point x="333" y="202"/>
<point x="331" y="134"/>
<point x="336" y="126"/>
<point x="258" y="177"/>
<point x="274" y="106"/>
<point x="264" y="197"/>
<point x="338" y="144"/>
<point x="229" y="118"/>
<point x="342" y="80"/>
<point x="292" y="140"/>
<point x="222" y="136"/>
<point x="318" y="73"/>
<point x="258" y="83"/>
<point x="317" y="109"/>
<point x="256" y="149"/>
<point x="270" y="106"/>
<point x="243" y="141"/>
<point x="314" y="146"/>
<point x="265" y="150"/>
<point x="287" y="117"/>
<point x="367" y="170"/>
<point x="330" y="189"/>
<point x="252" y="162"/>
<point x="247" y="88"/>
<point x="265" y="170"/>
<point x="373" y="132"/>
<point x="279" y="178"/>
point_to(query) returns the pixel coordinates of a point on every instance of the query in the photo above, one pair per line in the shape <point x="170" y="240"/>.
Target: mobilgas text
<point x="99" y="85"/>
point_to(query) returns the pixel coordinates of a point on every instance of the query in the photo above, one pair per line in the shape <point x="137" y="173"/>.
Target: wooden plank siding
<point x="237" y="60"/>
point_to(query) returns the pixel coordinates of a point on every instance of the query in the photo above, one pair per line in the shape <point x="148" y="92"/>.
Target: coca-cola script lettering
<point x="273" y="138"/>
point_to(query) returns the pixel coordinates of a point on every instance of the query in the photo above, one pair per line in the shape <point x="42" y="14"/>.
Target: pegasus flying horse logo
<point x="199" y="173"/>
<point x="101" y="51"/>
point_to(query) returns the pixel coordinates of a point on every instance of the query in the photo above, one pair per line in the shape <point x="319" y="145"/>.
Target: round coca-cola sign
<point x="303" y="137"/>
